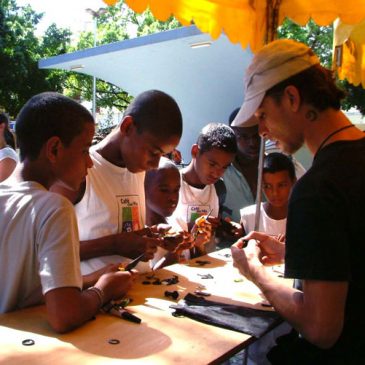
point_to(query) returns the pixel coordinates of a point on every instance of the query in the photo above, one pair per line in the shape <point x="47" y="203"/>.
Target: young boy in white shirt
<point x="278" y="179"/>
<point x="39" y="243"/>
<point x="214" y="151"/>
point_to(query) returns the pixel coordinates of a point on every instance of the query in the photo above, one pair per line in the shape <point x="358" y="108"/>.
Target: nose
<point x="262" y="129"/>
<point x="173" y="198"/>
<point x="218" y="172"/>
<point x="254" y="141"/>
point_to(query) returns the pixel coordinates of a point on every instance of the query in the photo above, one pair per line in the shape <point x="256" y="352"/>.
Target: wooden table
<point x="159" y="339"/>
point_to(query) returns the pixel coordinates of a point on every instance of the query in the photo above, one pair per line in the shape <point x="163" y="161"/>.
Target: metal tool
<point x="134" y="262"/>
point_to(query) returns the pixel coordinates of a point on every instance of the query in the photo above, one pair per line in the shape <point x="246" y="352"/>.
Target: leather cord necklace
<point x="332" y="134"/>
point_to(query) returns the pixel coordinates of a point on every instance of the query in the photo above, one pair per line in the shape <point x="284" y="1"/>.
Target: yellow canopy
<point x="349" y="55"/>
<point x="250" y="22"/>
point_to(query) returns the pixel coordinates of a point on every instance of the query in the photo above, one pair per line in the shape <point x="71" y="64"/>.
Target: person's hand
<point x="133" y="244"/>
<point x="171" y="241"/>
<point x="159" y="229"/>
<point x="92" y="278"/>
<point x="281" y="237"/>
<point x="272" y="250"/>
<point x="214" y="222"/>
<point x="201" y="232"/>
<point x="229" y="229"/>
<point x="115" y="284"/>
<point x="246" y="259"/>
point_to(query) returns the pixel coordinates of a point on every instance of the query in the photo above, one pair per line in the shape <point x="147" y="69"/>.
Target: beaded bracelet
<point x="99" y="293"/>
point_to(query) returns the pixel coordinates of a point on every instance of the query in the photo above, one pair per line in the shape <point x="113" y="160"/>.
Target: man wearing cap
<point x="297" y="102"/>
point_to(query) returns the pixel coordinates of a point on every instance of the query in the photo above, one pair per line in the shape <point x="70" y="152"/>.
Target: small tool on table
<point x="120" y="312"/>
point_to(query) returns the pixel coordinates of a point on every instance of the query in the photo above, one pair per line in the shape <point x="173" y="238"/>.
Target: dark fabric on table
<point x="250" y="321"/>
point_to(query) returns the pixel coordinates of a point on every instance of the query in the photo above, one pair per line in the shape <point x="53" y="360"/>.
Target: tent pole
<point x="259" y="184"/>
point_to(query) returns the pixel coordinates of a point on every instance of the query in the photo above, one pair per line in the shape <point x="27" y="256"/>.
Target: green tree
<point x="320" y="39"/>
<point x="113" y="25"/>
<point x="20" y="50"/>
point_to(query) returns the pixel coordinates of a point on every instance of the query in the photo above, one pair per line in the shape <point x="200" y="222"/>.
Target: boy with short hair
<point x="39" y="245"/>
<point x="278" y="178"/>
<point x="162" y="186"/>
<point x="211" y="155"/>
<point x="110" y="207"/>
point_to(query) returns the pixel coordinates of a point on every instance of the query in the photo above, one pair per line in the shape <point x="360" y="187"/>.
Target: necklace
<point x="332" y="134"/>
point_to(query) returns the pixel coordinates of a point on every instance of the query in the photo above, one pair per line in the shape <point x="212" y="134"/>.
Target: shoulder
<point x="55" y="201"/>
<point x="8" y="152"/>
<point x="248" y="211"/>
<point x="31" y="195"/>
<point x="230" y="171"/>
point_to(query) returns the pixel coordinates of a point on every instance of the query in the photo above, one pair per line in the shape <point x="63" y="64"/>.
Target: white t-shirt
<point x="114" y="202"/>
<point x="193" y="203"/>
<point x="8" y="152"/>
<point x="39" y="245"/>
<point x="266" y="224"/>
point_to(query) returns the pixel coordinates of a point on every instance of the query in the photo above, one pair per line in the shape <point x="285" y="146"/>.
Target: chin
<point x="134" y="169"/>
<point x="209" y="181"/>
<point x="168" y="212"/>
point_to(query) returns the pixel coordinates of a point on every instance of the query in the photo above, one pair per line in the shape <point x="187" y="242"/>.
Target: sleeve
<point x="247" y="218"/>
<point x="59" y="247"/>
<point x="8" y="153"/>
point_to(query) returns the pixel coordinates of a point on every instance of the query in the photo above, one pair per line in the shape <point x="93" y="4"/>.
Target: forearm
<point x="123" y="244"/>
<point x="317" y="313"/>
<point x="69" y="308"/>
<point x="91" y="279"/>
<point x="97" y="247"/>
<point x="287" y="301"/>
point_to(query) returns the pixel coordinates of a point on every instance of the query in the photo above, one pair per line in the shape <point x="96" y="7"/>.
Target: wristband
<point x="99" y="292"/>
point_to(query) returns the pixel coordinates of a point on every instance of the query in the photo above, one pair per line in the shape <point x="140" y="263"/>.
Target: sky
<point x="65" y="13"/>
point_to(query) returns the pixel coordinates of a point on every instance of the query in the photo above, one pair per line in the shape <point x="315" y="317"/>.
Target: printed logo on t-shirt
<point x="129" y="213"/>
<point x="195" y="211"/>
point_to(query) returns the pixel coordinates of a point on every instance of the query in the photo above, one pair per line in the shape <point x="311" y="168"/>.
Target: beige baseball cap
<point x="274" y="63"/>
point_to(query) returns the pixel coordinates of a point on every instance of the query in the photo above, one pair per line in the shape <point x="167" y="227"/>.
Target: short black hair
<point x="46" y="115"/>
<point x="217" y="135"/>
<point x="9" y="138"/>
<point x="276" y="162"/>
<point x="156" y="112"/>
<point x="316" y="86"/>
<point x="164" y="164"/>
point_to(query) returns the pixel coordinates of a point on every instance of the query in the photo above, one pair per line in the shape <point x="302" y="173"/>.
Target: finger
<point x="163" y="228"/>
<point x="153" y="242"/>
<point x="240" y="244"/>
<point x="144" y="232"/>
<point x="254" y="235"/>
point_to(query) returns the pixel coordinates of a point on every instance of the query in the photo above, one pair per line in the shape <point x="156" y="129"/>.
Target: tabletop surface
<point x="159" y="339"/>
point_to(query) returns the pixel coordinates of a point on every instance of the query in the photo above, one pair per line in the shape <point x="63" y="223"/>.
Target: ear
<point x="194" y="150"/>
<point x="127" y="125"/>
<point x="52" y="148"/>
<point x="293" y="97"/>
